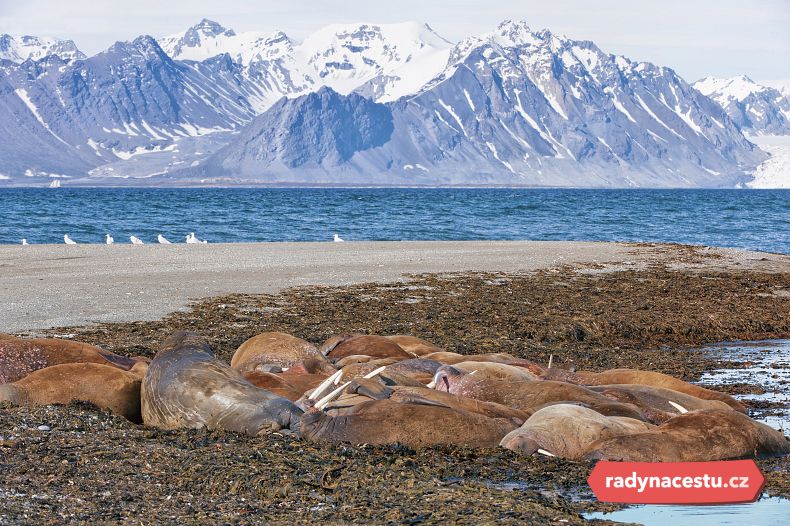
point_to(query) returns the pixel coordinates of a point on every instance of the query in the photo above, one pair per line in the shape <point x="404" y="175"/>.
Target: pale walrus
<point x="496" y="371"/>
<point x="701" y="436"/>
<point x="106" y="387"/>
<point x="20" y="357"/>
<point x="369" y="345"/>
<point x="278" y="349"/>
<point x="413" y="425"/>
<point x="187" y="387"/>
<point x="635" y="376"/>
<point x="568" y="430"/>
<point x="528" y="395"/>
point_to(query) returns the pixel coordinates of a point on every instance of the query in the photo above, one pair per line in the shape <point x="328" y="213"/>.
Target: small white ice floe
<point x="135" y="240"/>
<point x="338" y="239"/>
<point x="109" y="240"/>
<point x="68" y="240"/>
<point x="162" y="240"/>
<point x="24" y="241"/>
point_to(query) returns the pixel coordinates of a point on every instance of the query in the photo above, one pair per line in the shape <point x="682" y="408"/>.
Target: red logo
<point x="730" y="482"/>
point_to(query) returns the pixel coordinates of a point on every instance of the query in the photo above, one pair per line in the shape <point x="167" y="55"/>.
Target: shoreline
<point x="49" y="286"/>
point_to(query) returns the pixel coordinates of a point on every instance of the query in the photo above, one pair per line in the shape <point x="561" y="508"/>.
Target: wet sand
<point x="45" y="286"/>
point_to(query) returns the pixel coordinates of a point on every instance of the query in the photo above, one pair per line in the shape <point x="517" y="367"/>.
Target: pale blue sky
<point x="696" y="37"/>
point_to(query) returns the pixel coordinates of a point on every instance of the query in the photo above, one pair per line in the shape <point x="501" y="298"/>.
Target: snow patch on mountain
<point x="20" y="48"/>
<point x="756" y="108"/>
<point x="775" y="171"/>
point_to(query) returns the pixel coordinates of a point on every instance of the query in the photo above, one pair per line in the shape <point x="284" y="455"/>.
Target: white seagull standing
<point x="162" y="240"/>
<point x="136" y="240"/>
<point x="338" y="239"/>
<point x="68" y="240"/>
<point x="24" y="241"/>
<point x="191" y="238"/>
<point x="109" y="240"/>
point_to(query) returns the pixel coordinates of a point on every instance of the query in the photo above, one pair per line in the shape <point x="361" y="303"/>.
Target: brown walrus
<point x="414" y="425"/>
<point x="496" y="371"/>
<point x="657" y="403"/>
<point x="568" y="430"/>
<point x="276" y="348"/>
<point x="413" y="345"/>
<point x="290" y="384"/>
<point x="374" y="389"/>
<point x="370" y="345"/>
<point x="634" y="376"/>
<point x="701" y="436"/>
<point x="102" y="385"/>
<point x="528" y="395"/>
<point x="187" y="387"/>
<point x="20" y="356"/>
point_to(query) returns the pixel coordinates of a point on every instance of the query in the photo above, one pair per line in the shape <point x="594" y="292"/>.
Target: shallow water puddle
<point x="767" y="365"/>
<point x="769" y="510"/>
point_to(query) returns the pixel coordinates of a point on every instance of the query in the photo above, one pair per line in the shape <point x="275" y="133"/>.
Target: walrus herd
<point x="369" y="389"/>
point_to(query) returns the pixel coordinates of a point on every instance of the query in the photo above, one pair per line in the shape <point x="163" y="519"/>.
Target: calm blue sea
<point x="750" y="219"/>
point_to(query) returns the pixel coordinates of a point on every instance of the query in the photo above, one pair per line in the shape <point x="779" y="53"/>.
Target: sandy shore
<point x="44" y="286"/>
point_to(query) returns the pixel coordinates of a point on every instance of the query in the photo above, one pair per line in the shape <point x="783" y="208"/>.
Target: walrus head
<point x="446" y="378"/>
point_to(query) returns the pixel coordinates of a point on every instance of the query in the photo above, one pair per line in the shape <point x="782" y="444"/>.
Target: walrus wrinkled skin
<point x="187" y="387"/>
<point x="20" y="357"/>
<point x="567" y="430"/>
<point x="276" y="348"/>
<point x="529" y="395"/>
<point x="701" y="436"/>
<point x="104" y="386"/>
<point x="654" y="402"/>
<point x="634" y="376"/>
<point x="369" y="345"/>
<point x="413" y="425"/>
<point x="413" y="345"/>
<point x="496" y="371"/>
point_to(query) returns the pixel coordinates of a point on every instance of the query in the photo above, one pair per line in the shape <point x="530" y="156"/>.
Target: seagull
<point x="338" y="239"/>
<point x="109" y="240"/>
<point x="192" y="239"/>
<point x="136" y="240"/>
<point x="162" y="240"/>
<point x="24" y="242"/>
<point x="68" y="240"/>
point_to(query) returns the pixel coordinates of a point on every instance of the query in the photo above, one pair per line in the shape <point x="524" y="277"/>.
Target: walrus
<point x="187" y="387"/>
<point x="370" y="345"/>
<point x="496" y="371"/>
<point x="413" y="425"/>
<point x="699" y="436"/>
<point x="528" y="395"/>
<point x="276" y="348"/>
<point x="107" y="387"/>
<point x="451" y="358"/>
<point x="413" y="345"/>
<point x="21" y="356"/>
<point x="332" y="342"/>
<point x="568" y="430"/>
<point x="634" y="376"/>
<point x="376" y="390"/>
<point x="657" y="403"/>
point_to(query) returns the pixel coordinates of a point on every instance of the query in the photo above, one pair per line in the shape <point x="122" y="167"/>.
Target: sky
<point x="697" y="38"/>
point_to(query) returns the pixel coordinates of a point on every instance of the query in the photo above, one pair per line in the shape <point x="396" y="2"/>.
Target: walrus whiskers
<point x="678" y="407"/>
<point x="326" y="384"/>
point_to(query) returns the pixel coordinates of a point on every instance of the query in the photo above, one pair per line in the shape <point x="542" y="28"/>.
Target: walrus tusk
<point x="473" y="372"/>
<point x="431" y="384"/>
<point x="371" y="374"/>
<point x="551" y="358"/>
<point x="331" y="396"/>
<point x="544" y="452"/>
<point x="326" y="384"/>
<point x="678" y="407"/>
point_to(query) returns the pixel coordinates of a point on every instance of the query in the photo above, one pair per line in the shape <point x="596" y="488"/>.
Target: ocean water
<point x="749" y="219"/>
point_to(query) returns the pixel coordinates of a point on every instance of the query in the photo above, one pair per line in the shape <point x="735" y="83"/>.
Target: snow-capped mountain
<point x="19" y="49"/>
<point x="757" y="109"/>
<point x="511" y="107"/>
<point x="362" y="104"/>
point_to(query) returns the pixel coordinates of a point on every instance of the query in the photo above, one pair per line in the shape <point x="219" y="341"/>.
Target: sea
<point x="746" y="219"/>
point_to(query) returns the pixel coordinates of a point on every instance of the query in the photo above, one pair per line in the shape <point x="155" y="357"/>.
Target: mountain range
<point x="371" y="104"/>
